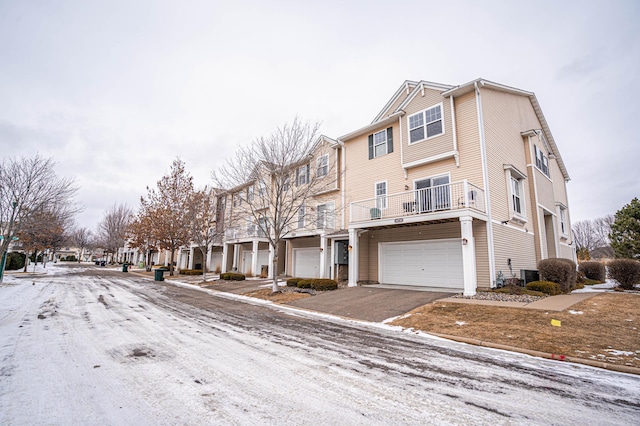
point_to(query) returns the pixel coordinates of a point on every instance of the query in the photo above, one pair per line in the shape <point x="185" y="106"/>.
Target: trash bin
<point x="125" y="267"/>
<point x="141" y="265"/>
<point x="158" y="275"/>
<point x="103" y="263"/>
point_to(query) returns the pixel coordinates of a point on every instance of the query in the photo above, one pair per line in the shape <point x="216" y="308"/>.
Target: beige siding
<point x="369" y="242"/>
<point x="436" y="145"/>
<point x="468" y="141"/>
<point x="482" y="254"/>
<point x="506" y="116"/>
<point x="362" y="173"/>
<point x="514" y="244"/>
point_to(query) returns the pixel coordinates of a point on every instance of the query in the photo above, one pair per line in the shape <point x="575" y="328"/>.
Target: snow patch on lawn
<point x="572" y="312"/>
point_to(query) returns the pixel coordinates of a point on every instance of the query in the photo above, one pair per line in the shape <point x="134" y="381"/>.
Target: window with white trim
<point x="381" y="195"/>
<point x="325" y="216"/>
<point x="322" y="165"/>
<point x="381" y="143"/>
<point x="250" y="193"/>
<point x="286" y="182"/>
<point x="302" y="175"/>
<point x="542" y="161"/>
<point x="262" y="188"/>
<point x="301" y="215"/>
<point x="426" y="124"/>
<point x="563" y="220"/>
<point x="516" y="196"/>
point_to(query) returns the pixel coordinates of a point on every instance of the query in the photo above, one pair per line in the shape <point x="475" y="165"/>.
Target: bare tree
<point x="165" y="210"/>
<point x="205" y="230"/>
<point x="113" y="228"/>
<point x="42" y="230"/>
<point x="27" y="186"/>
<point x="142" y="237"/>
<point x="81" y="238"/>
<point x="271" y="180"/>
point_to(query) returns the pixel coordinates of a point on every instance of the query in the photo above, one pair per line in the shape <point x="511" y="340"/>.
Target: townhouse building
<point x="449" y="188"/>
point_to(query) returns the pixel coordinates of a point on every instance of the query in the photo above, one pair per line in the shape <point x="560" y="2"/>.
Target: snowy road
<point x="93" y="346"/>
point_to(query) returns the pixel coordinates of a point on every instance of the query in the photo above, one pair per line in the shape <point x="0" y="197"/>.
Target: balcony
<point x="246" y="232"/>
<point x="435" y="202"/>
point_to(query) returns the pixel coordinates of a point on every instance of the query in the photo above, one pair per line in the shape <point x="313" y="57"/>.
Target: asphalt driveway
<point x="368" y="303"/>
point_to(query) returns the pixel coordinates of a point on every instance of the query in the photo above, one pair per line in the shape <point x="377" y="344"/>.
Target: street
<point x="89" y="345"/>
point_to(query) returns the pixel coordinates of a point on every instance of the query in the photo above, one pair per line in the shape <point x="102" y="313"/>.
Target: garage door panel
<point x="425" y="263"/>
<point x="306" y="263"/>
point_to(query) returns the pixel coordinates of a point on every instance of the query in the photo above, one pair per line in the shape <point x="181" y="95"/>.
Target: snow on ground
<point x="110" y="349"/>
<point x="606" y="286"/>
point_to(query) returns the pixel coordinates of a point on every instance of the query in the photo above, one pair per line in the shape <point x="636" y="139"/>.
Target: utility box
<point x="529" y="275"/>
<point x="342" y="252"/>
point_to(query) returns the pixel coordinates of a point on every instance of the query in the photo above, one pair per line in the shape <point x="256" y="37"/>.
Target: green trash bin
<point x="125" y="267"/>
<point x="159" y="275"/>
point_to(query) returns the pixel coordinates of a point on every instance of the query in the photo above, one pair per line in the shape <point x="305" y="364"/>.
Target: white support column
<point x="332" y="263"/>
<point x="225" y="257"/>
<point x="353" y="257"/>
<point x="468" y="256"/>
<point x="209" y="257"/>
<point x="323" y="256"/>
<point x="272" y="270"/>
<point x="236" y="257"/>
<point x="288" y="267"/>
<point x="254" y="259"/>
<point x="190" y="265"/>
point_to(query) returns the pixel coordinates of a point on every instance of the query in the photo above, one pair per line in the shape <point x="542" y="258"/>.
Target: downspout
<point x="455" y="134"/>
<point x="485" y="178"/>
<point x="406" y="175"/>
<point x="343" y="154"/>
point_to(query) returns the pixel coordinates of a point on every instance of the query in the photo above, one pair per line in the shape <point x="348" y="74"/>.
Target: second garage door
<point x="306" y="263"/>
<point x="435" y="263"/>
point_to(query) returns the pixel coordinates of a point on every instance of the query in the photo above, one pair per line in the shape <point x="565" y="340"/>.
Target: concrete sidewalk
<point x="550" y="303"/>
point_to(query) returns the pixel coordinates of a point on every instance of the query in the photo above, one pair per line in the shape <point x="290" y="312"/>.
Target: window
<point x="381" y="143"/>
<point x="381" y="195"/>
<point x="250" y="194"/>
<point x="433" y="194"/>
<point x="302" y="175"/>
<point x="516" y="195"/>
<point x="237" y="199"/>
<point x="325" y="217"/>
<point x="563" y="220"/>
<point x="322" y="165"/>
<point x="262" y="188"/>
<point x="301" y="214"/>
<point x="286" y="184"/>
<point x="262" y="227"/>
<point x="426" y="124"/>
<point x="542" y="162"/>
<point x="251" y="229"/>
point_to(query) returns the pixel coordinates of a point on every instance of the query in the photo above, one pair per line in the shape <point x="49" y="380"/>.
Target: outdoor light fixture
<point x="464" y="241"/>
<point x="350" y="247"/>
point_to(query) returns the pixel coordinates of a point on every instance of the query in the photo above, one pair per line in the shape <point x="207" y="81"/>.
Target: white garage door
<point x="436" y="263"/>
<point x="306" y="263"/>
<point x="216" y="262"/>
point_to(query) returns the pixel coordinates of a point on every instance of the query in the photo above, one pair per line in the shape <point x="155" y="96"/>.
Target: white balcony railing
<point x="441" y="198"/>
<point x="247" y="232"/>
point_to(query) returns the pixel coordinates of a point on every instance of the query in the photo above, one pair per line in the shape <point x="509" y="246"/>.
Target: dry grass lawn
<point x="283" y="297"/>
<point x="603" y="328"/>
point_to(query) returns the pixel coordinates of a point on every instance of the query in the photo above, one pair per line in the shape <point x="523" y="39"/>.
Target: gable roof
<point x="470" y="86"/>
<point x="409" y="89"/>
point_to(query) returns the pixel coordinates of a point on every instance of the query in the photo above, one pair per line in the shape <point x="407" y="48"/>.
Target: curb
<point x="556" y="357"/>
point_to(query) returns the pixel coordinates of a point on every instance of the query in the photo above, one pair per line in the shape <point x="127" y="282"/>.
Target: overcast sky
<point x="115" y="90"/>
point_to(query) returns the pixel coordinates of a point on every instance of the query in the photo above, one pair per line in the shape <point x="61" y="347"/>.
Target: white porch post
<point x="323" y="256"/>
<point x="236" y="257"/>
<point x="353" y="257"/>
<point x="288" y="266"/>
<point x="468" y="256"/>
<point x="254" y="259"/>
<point x="225" y="257"/>
<point x="332" y="263"/>
<point x="208" y="262"/>
<point x="190" y="265"/>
